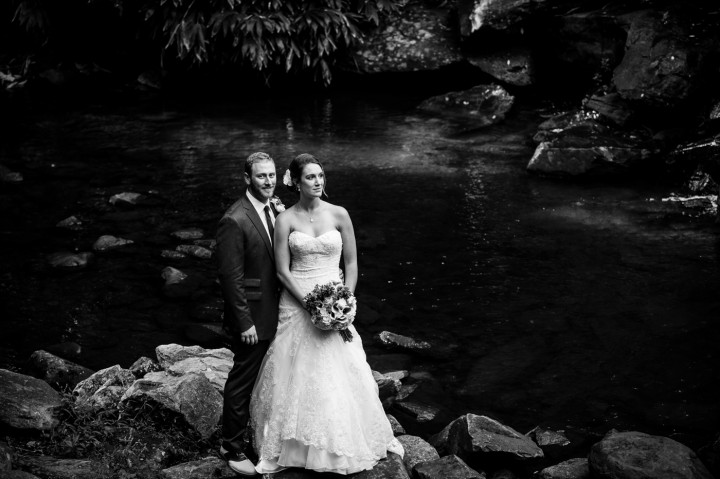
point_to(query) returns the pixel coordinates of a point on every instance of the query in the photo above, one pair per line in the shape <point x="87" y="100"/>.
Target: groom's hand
<point x="249" y="336"/>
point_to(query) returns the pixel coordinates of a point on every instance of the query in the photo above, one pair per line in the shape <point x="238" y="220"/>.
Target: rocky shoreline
<point x="178" y="396"/>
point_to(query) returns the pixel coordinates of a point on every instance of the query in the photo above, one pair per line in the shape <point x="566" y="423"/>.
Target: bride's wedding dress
<point x="315" y="403"/>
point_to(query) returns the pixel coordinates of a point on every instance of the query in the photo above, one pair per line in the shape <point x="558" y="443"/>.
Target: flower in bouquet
<point x="332" y="306"/>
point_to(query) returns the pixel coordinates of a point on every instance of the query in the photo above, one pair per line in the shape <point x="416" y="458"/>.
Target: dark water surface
<point x="565" y="306"/>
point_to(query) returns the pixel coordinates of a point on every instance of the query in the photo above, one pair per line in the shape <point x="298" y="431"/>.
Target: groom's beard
<point x="264" y="192"/>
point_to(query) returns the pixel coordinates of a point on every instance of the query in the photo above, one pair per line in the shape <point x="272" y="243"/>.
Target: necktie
<point x="268" y="219"/>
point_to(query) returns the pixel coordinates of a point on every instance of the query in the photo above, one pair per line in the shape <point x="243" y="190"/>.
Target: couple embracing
<point x="307" y="396"/>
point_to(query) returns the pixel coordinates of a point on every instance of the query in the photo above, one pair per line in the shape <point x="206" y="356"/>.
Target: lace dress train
<point x="315" y="403"/>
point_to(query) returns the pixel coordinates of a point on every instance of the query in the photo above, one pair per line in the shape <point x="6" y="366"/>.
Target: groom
<point x="250" y="288"/>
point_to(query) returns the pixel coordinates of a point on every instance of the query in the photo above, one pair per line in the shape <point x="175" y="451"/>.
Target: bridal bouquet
<point x="332" y="306"/>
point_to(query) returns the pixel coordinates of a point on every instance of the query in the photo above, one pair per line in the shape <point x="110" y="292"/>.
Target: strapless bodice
<point x="315" y="257"/>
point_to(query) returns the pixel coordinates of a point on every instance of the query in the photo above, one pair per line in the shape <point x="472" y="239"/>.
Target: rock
<point x="66" y="260"/>
<point x="715" y="112"/>
<point x="200" y="469"/>
<point x="704" y="154"/>
<point x="188" y="234"/>
<point x="663" y="63"/>
<point x="480" y="106"/>
<point x="448" y="467"/>
<point x="480" y="439"/>
<point x="512" y="65"/>
<point x="210" y="244"/>
<point x="610" y="106"/>
<point x="207" y="334"/>
<point x="67" y="350"/>
<point x="396" y="340"/>
<point x="701" y="204"/>
<point x="587" y="46"/>
<point x="495" y="14"/>
<point x="194" y="250"/>
<point x="28" y="403"/>
<point x="421" y="412"/>
<point x="192" y="396"/>
<point x="9" y="176"/>
<point x="416" y="38"/>
<point x="390" y="468"/>
<point x="6" y="457"/>
<point x="547" y="438"/>
<point x="570" y="469"/>
<point x="601" y="154"/>
<point x="172" y="254"/>
<point x="387" y="387"/>
<point x="47" y="466"/>
<point x="71" y="222"/>
<point x="104" y="388"/>
<point x="107" y="242"/>
<point x="396" y="426"/>
<point x="406" y="391"/>
<point x="417" y="450"/>
<point x="57" y="372"/>
<point x="214" y="364"/>
<point x="636" y="455"/>
<point x="127" y="198"/>
<point x="399" y="375"/>
<point x="172" y="275"/>
<point x="144" y="365"/>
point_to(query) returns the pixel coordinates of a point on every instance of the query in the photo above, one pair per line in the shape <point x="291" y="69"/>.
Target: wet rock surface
<point x="28" y="403"/>
<point x="630" y="455"/>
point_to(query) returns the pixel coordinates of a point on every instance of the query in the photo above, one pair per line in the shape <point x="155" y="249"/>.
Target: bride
<point x="315" y="403"/>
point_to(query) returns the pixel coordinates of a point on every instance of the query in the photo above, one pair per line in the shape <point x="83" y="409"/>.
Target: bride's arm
<point x="349" y="248"/>
<point x="282" y="257"/>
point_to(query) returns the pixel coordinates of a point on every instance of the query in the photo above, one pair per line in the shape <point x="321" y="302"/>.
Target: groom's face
<point x="261" y="180"/>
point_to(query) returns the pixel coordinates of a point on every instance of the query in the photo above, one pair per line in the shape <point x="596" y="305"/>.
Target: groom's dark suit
<point x="250" y="287"/>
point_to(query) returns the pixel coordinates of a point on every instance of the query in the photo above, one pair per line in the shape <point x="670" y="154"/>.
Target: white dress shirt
<point x="260" y="208"/>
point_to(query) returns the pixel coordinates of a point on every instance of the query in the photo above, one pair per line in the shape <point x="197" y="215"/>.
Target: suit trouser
<point x="238" y="388"/>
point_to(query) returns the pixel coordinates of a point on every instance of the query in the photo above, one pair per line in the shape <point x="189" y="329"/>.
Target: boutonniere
<point x="278" y="204"/>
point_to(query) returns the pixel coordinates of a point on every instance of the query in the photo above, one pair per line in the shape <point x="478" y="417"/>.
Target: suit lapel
<point x="258" y="224"/>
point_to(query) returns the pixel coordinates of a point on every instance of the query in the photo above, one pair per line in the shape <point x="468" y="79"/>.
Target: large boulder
<point x="414" y="39"/>
<point x="636" y="455"/>
<point x="448" y="467"/>
<point x="58" y="372"/>
<point x="482" y="440"/>
<point x="214" y="364"/>
<point x="390" y="468"/>
<point x="581" y="145"/>
<point x="104" y="388"/>
<point x="587" y="45"/>
<point x="417" y="450"/>
<point x="192" y="396"/>
<point x="70" y="261"/>
<point x="664" y="62"/>
<point x="480" y="106"/>
<point x="27" y="402"/>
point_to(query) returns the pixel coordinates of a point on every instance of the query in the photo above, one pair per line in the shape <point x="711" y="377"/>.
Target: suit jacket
<point x="246" y="270"/>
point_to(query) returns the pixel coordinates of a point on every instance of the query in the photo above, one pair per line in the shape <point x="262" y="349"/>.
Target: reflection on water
<point x="559" y="304"/>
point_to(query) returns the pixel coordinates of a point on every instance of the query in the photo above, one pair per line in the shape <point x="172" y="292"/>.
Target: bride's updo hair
<point x="296" y="168"/>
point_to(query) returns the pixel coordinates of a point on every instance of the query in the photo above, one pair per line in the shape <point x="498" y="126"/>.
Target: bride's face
<point x="312" y="180"/>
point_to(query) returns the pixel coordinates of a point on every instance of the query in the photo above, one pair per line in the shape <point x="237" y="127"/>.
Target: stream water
<point x="550" y="303"/>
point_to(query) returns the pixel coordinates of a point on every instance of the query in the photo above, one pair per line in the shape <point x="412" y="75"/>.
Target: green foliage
<point x="266" y="35"/>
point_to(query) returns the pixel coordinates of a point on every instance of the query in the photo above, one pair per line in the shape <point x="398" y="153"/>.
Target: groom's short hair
<point x="254" y="158"/>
